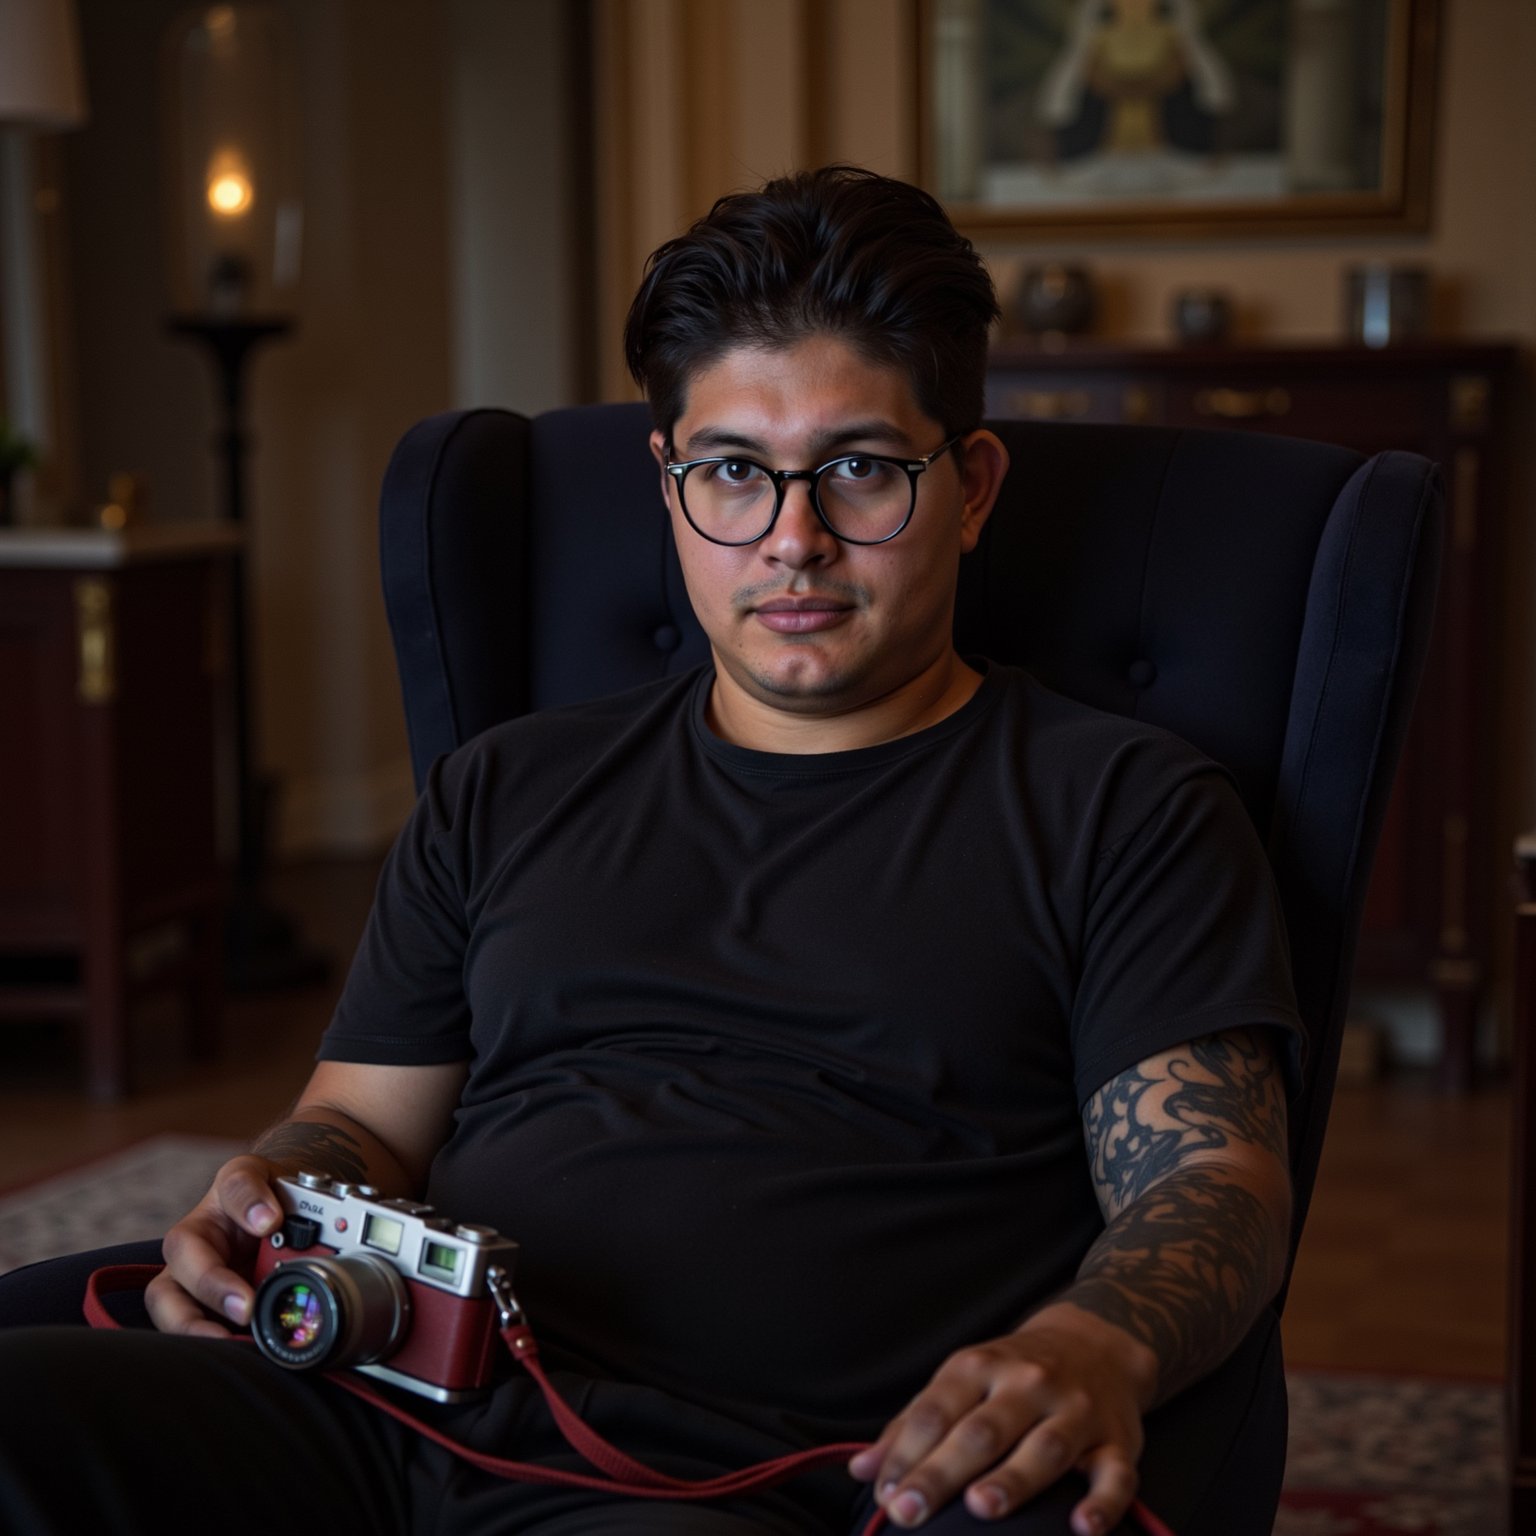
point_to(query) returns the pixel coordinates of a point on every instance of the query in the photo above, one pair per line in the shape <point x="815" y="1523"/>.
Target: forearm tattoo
<point x="310" y="1146"/>
<point x="1185" y="1270"/>
<point x="1191" y="1252"/>
<point x="1144" y="1124"/>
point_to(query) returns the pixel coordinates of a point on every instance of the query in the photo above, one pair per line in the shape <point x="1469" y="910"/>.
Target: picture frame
<point x="1071" y="119"/>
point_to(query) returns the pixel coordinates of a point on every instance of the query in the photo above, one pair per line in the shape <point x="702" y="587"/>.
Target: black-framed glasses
<point x="861" y="498"/>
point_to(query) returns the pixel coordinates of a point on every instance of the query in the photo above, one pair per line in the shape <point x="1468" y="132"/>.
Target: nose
<point x="798" y="537"/>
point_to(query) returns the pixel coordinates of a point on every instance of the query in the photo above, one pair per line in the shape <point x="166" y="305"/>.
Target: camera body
<point x="387" y="1287"/>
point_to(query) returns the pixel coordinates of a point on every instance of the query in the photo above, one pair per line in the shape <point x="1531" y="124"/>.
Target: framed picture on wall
<point x="1066" y="118"/>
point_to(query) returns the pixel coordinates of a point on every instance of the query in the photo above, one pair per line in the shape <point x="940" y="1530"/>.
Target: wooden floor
<point x="1401" y="1268"/>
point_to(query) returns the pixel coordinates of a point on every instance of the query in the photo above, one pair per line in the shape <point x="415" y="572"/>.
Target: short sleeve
<point x="1183" y="937"/>
<point x="404" y="1001"/>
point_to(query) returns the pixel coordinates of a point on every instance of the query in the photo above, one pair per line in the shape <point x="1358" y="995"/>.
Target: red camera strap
<point x="616" y="1472"/>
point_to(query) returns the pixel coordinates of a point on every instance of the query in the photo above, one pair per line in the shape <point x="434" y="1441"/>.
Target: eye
<point x="863" y="475"/>
<point x="732" y="472"/>
<point x="856" y="469"/>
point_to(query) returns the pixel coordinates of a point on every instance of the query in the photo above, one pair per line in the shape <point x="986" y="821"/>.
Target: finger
<point x="172" y="1310"/>
<point x="1046" y="1452"/>
<point x="909" y="1483"/>
<point x="922" y="1427"/>
<point x="1001" y="1453"/>
<point x="866" y="1463"/>
<point x="1112" y="1483"/>
<point x="198" y="1263"/>
<point x="243" y="1192"/>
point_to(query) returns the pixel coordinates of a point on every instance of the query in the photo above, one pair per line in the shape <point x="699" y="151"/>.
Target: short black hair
<point x="838" y="251"/>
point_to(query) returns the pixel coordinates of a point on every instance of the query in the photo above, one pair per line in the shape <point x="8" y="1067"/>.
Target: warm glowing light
<point x="229" y="194"/>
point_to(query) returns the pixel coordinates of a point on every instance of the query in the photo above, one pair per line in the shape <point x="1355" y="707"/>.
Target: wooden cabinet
<point x="112" y="651"/>
<point x="1429" y="910"/>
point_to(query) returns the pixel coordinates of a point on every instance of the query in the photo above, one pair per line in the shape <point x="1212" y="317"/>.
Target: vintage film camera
<point x="388" y="1287"/>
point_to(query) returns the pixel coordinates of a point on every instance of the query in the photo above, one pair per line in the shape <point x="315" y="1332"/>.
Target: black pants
<point x="134" y="1432"/>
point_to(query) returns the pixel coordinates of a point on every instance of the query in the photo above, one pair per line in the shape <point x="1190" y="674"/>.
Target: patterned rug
<point x="1393" y="1456"/>
<point x="1369" y="1455"/>
<point x="116" y="1199"/>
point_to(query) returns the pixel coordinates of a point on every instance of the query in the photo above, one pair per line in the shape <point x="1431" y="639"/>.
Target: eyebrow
<point x="719" y="439"/>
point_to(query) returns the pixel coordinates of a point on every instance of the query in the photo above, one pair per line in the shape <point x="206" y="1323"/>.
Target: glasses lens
<point x="865" y="500"/>
<point x="729" y="499"/>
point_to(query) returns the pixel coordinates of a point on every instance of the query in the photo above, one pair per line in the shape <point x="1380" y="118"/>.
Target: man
<point x="860" y="1041"/>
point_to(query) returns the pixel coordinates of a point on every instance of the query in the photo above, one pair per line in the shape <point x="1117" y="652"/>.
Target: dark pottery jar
<point x="1054" y="298"/>
<point x="1202" y="316"/>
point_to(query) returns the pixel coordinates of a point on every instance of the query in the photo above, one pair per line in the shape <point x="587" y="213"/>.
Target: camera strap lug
<point x="499" y="1283"/>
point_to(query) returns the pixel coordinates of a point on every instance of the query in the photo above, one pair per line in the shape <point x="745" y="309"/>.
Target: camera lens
<point x="330" y="1312"/>
<point x="298" y="1318"/>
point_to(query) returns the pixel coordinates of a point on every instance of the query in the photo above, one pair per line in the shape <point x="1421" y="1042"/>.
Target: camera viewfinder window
<point x="383" y="1233"/>
<point x="440" y="1261"/>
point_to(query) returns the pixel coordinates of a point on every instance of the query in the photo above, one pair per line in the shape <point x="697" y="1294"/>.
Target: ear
<point x="659" y="453"/>
<point x="983" y="462"/>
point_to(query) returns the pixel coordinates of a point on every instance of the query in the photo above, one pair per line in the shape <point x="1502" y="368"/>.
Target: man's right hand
<point x="208" y="1253"/>
<point x="364" y="1123"/>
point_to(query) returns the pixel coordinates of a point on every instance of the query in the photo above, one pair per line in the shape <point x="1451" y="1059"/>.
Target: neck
<point x="746" y="720"/>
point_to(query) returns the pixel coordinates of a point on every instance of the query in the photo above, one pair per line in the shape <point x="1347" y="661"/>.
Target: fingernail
<point x="234" y="1308"/>
<point x="260" y="1216"/>
<point x="1094" y="1522"/>
<point x="987" y="1501"/>
<point x="911" y="1508"/>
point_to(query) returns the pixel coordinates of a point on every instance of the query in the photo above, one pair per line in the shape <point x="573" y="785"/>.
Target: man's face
<point x="800" y="621"/>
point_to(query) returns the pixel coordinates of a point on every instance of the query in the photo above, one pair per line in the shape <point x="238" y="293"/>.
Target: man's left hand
<point x="1003" y="1420"/>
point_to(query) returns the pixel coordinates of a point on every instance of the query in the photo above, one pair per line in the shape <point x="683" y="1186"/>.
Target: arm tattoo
<point x="1192" y="1252"/>
<point x="1143" y="1125"/>
<point x="1185" y="1269"/>
<point x="309" y="1146"/>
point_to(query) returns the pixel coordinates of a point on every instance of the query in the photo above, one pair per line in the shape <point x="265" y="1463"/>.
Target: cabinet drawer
<point x="1031" y="396"/>
<point x="1356" y="412"/>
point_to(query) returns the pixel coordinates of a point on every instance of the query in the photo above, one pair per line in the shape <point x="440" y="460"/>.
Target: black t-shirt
<point x="777" y="1062"/>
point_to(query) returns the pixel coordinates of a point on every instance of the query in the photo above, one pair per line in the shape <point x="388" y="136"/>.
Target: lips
<point x="801" y="615"/>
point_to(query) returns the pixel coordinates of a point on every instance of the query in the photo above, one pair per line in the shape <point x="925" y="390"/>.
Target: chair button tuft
<point x="1141" y="674"/>
<point x="666" y="637"/>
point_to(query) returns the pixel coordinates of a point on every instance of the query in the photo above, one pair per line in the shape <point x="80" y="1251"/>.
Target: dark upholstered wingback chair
<point x="1268" y="600"/>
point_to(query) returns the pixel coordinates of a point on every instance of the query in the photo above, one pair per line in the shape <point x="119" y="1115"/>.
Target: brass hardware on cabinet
<point x="94" y="621"/>
<point x="1050" y="404"/>
<point x="1243" y="404"/>
<point x="1469" y="403"/>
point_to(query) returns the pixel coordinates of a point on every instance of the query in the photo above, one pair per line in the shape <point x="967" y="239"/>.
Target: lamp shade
<point x="230" y="102"/>
<point x="40" y="79"/>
